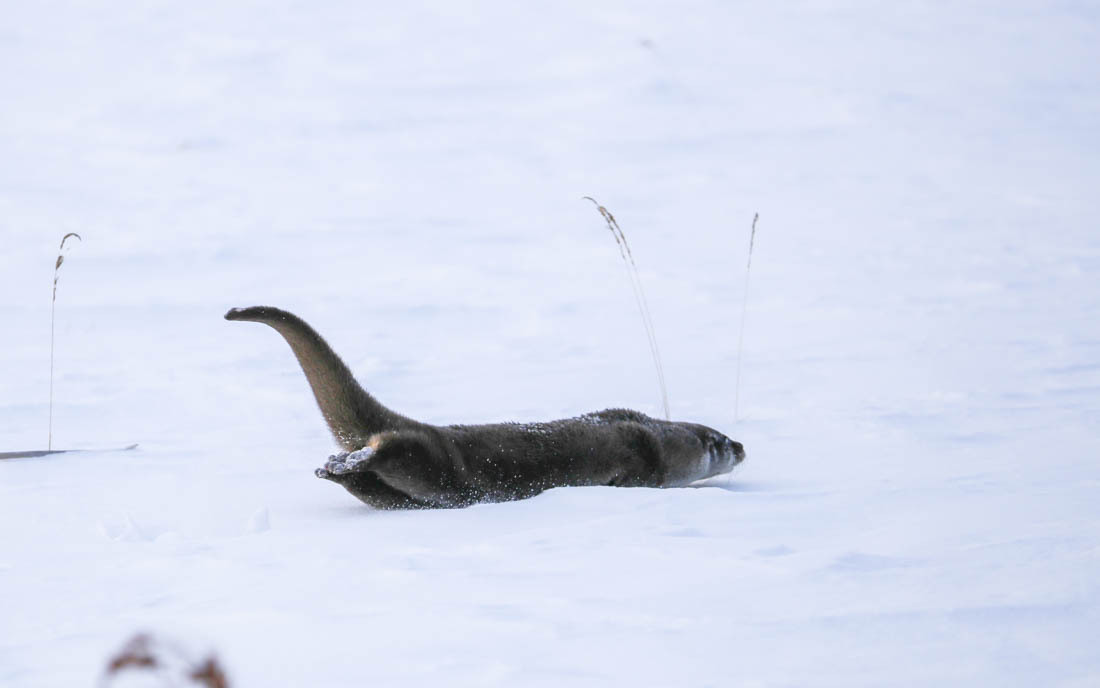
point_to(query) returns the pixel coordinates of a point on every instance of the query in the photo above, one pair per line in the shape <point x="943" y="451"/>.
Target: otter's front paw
<point x="343" y="463"/>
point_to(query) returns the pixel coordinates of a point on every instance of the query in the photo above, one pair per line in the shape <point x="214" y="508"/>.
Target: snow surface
<point x="921" y="381"/>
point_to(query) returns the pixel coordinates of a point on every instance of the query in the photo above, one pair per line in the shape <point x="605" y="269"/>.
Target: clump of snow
<point x="259" y="521"/>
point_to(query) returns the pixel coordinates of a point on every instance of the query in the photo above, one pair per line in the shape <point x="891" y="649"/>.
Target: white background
<point x="920" y="395"/>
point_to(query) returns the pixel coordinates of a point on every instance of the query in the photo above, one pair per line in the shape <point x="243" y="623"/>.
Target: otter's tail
<point x="352" y="414"/>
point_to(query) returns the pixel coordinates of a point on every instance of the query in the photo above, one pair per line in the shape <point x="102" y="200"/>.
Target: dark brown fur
<point x="415" y="465"/>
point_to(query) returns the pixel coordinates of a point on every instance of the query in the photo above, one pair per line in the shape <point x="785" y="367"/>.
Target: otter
<point x="394" y="462"/>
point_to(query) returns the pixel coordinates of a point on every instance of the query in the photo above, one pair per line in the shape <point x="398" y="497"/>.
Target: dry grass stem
<point x="639" y="297"/>
<point x="744" y="310"/>
<point x="53" y="307"/>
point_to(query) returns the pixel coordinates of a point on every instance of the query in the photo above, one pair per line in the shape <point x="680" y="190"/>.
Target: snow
<point x="920" y="398"/>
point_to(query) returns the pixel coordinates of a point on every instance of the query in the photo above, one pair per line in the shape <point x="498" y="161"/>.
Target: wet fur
<point x="416" y="465"/>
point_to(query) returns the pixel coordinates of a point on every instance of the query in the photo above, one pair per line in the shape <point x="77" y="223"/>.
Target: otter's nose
<point x="738" y="450"/>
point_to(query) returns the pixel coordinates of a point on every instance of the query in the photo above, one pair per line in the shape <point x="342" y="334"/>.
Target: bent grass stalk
<point x="639" y="297"/>
<point x="744" y="310"/>
<point x="53" y="308"/>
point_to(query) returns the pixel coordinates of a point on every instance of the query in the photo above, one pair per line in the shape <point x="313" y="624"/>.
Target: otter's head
<point x="723" y="452"/>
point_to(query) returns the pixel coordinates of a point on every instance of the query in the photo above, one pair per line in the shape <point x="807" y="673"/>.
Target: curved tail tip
<point x="250" y="313"/>
<point x="264" y="314"/>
